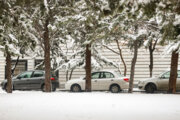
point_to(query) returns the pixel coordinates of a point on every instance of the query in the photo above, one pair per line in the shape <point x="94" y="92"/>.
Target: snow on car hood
<point x="149" y="79"/>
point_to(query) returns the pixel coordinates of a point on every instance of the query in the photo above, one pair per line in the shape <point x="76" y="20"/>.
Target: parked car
<point x="31" y="80"/>
<point x="101" y="80"/>
<point x="158" y="83"/>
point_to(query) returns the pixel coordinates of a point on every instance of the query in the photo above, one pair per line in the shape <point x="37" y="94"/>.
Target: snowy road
<point x="36" y="105"/>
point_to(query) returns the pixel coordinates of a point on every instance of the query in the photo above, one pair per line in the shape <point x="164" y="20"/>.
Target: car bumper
<point x="125" y="86"/>
<point x="2" y="85"/>
<point x="141" y="86"/>
<point x="68" y="86"/>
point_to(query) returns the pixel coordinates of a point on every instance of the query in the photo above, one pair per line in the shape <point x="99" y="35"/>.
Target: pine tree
<point x="169" y="25"/>
<point x="47" y="22"/>
<point x="14" y="38"/>
<point x="84" y="27"/>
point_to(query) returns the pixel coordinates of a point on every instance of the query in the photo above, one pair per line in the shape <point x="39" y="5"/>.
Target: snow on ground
<point x="59" y="105"/>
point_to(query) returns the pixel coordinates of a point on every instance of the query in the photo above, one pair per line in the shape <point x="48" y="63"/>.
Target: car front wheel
<point x="114" y="88"/>
<point x="6" y="87"/>
<point x="75" y="88"/>
<point x="150" y="88"/>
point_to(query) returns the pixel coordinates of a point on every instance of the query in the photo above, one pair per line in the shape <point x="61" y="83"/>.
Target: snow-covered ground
<point x="36" y="105"/>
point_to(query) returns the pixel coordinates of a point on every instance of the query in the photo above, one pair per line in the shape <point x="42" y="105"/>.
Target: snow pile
<point x="35" y="105"/>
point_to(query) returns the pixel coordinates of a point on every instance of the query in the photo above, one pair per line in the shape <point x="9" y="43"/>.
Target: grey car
<point x="31" y="80"/>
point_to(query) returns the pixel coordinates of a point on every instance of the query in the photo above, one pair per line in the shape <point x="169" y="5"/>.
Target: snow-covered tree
<point x="14" y="38"/>
<point x="169" y="15"/>
<point x="129" y="23"/>
<point x="86" y="31"/>
<point x="166" y="13"/>
<point x="47" y="17"/>
<point x="151" y="42"/>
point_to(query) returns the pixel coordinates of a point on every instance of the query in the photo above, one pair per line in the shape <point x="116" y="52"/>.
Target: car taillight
<point x="52" y="78"/>
<point x="126" y="79"/>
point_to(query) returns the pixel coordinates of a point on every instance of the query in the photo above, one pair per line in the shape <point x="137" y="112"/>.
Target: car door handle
<point x="112" y="80"/>
<point x="95" y="80"/>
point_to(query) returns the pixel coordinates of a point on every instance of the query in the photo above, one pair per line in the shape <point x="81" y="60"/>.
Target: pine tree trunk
<point x="15" y="65"/>
<point x="151" y="60"/>
<point x="133" y="63"/>
<point x="47" y="57"/>
<point x="173" y="73"/>
<point x="8" y="70"/>
<point x="88" y="69"/>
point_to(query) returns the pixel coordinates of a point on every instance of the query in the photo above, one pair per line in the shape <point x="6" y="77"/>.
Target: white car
<point x="158" y="83"/>
<point x="101" y="80"/>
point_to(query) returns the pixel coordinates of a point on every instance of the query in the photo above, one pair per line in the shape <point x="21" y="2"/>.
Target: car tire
<point x="43" y="87"/>
<point x="150" y="88"/>
<point x="5" y="87"/>
<point x="115" y="88"/>
<point x="53" y="88"/>
<point x="75" y="88"/>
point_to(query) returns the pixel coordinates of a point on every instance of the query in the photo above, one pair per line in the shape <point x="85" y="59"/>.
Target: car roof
<point x="105" y="71"/>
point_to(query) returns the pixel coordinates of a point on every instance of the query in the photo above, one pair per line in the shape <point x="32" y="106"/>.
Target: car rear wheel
<point x="150" y="88"/>
<point x="115" y="88"/>
<point x="53" y="88"/>
<point x="75" y="88"/>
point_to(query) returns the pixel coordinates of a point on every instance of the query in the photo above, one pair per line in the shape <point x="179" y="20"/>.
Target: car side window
<point x="26" y="75"/>
<point x="166" y="75"/>
<point x="107" y="75"/>
<point x="38" y="74"/>
<point x="179" y="74"/>
<point x="95" y="75"/>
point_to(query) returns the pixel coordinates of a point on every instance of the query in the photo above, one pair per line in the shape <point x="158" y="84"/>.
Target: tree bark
<point x="121" y="56"/>
<point x="133" y="63"/>
<point x="173" y="72"/>
<point x="15" y="66"/>
<point x="47" y="57"/>
<point x="88" y="69"/>
<point x="9" y="73"/>
<point x="151" y="59"/>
